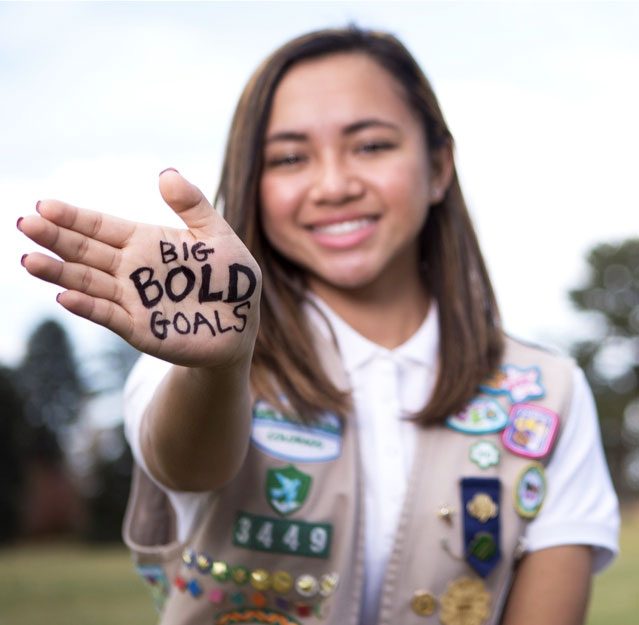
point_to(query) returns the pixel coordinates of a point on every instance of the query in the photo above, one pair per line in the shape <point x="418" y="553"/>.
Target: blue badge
<point x="282" y="438"/>
<point x="481" y="500"/>
<point x="482" y="416"/>
<point x="519" y="384"/>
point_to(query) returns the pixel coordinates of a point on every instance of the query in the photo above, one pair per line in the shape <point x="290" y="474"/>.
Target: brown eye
<point x="286" y="160"/>
<point x="373" y="147"/>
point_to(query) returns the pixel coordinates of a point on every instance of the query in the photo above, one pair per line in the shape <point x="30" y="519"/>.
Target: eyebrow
<point x="351" y="129"/>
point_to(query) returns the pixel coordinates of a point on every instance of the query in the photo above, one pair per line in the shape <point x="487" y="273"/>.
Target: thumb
<point x="188" y="202"/>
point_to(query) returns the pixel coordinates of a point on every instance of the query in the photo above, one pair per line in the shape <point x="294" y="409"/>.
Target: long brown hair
<point x="471" y="341"/>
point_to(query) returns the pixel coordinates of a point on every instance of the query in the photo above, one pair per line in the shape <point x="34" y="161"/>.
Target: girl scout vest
<point x="283" y="543"/>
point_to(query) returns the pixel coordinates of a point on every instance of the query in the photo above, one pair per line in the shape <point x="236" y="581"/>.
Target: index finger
<point x="93" y="224"/>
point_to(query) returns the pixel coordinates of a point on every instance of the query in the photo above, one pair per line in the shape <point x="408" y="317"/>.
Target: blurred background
<point x="97" y="98"/>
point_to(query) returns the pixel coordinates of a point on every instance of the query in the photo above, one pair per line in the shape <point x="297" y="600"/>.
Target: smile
<point x="343" y="227"/>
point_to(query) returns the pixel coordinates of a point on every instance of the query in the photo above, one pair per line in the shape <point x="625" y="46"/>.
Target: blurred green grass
<point x="59" y="584"/>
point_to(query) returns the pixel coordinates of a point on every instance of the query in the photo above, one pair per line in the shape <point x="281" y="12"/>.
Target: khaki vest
<point x="284" y="541"/>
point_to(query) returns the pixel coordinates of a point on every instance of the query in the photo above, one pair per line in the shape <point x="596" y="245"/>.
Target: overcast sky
<point x="542" y="98"/>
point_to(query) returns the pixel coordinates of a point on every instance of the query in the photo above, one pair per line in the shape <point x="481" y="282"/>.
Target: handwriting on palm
<point x="189" y="296"/>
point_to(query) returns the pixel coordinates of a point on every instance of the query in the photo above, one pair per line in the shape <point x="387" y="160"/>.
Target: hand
<point x="190" y="297"/>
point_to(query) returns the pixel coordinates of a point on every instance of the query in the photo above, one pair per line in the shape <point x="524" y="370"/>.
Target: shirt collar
<point x="421" y="348"/>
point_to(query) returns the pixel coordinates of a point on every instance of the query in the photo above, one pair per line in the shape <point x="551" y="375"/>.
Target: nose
<point x="335" y="183"/>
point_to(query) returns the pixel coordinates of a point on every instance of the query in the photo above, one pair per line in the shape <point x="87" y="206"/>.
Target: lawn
<point x="61" y="584"/>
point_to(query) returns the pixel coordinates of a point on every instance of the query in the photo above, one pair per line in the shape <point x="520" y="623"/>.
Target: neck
<point x="386" y="314"/>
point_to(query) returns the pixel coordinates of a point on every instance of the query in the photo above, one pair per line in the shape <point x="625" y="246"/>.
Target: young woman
<point x="334" y="427"/>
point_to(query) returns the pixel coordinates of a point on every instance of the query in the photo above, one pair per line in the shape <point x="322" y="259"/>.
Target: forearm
<point x="194" y="433"/>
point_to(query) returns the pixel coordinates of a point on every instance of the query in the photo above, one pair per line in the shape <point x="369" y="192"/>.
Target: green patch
<point x="287" y="489"/>
<point x="263" y="533"/>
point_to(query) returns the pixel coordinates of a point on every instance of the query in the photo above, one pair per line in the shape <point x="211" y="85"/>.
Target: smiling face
<point x="347" y="179"/>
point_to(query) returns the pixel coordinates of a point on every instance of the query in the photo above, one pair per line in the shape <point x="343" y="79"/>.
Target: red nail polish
<point x="169" y="169"/>
<point x="22" y="259"/>
<point x="18" y="222"/>
<point x="38" y="206"/>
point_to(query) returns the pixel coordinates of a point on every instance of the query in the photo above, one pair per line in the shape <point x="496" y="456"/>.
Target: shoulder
<point x="524" y="350"/>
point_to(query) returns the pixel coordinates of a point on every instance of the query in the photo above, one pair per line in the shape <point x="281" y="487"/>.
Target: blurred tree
<point x="611" y="358"/>
<point x="12" y="440"/>
<point x="111" y="460"/>
<point x="52" y="392"/>
<point x="49" y="381"/>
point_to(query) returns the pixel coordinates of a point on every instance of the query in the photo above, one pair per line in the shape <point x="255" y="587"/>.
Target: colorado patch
<point x="282" y="438"/>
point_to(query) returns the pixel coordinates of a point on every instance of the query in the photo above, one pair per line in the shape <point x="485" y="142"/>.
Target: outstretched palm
<point x="188" y="296"/>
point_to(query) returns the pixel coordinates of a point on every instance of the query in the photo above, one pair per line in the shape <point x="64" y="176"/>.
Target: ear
<point x="441" y="172"/>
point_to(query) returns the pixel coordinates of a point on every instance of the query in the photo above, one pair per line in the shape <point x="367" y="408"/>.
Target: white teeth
<point x="343" y="227"/>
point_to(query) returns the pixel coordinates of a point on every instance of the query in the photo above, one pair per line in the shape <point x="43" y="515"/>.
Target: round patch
<point x="282" y="581"/>
<point x="423" y="603"/>
<point x="530" y="490"/>
<point x="306" y="585"/>
<point x="485" y="454"/>
<point x="220" y="571"/>
<point x="483" y="546"/>
<point x="465" y="602"/>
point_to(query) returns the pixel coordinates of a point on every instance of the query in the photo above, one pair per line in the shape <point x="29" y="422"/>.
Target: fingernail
<point x="169" y="169"/>
<point x="57" y="297"/>
<point x="18" y="222"/>
<point x="22" y="259"/>
<point x="38" y="206"/>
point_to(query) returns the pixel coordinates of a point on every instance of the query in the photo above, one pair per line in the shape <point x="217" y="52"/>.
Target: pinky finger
<point x="101" y="311"/>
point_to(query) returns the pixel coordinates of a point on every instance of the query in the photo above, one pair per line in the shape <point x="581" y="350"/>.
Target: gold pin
<point x="282" y="582"/>
<point x="482" y="507"/>
<point x="423" y="603"/>
<point x="445" y="513"/>
<point x="328" y="584"/>
<point x="260" y="579"/>
<point x="220" y="571"/>
<point x="306" y="585"/>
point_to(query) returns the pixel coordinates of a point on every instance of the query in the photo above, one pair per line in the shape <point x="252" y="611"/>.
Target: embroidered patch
<point x="277" y="436"/>
<point x="530" y="490"/>
<point x="519" y="384"/>
<point x="531" y="431"/>
<point x="481" y="416"/>
<point x="465" y="602"/>
<point x="287" y="489"/>
<point x="251" y="615"/>
<point x="485" y="454"/>
<point x="483" y="546"/>
<point x="157" y="583"/>
<point x="264" y="533"/>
